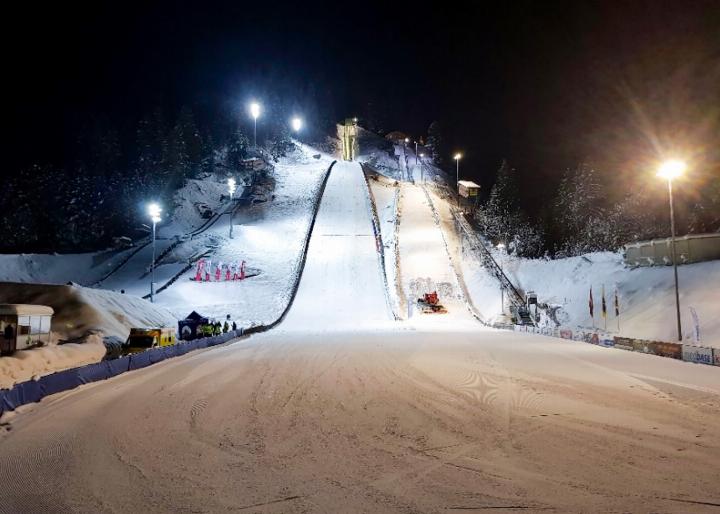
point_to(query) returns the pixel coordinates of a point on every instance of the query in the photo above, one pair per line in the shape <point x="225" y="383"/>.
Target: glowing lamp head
<point x="154" y="211"/>
<point x="355" y="120"/>
<point x="422" y="155"/>
<point x="457" y="156"/>
<point x="407" y="140"/>
<point x="296" y="123"/>
<point x="231" y="185"/>
<point x="671" y="169"/>
<point x="501" y="246"/>
<point x="255" y="110"/>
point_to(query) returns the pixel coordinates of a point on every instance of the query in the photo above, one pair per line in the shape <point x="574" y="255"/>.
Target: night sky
<point x="544" y="84"/>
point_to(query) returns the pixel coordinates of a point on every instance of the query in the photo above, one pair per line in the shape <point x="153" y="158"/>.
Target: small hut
<point x="24" y="326"/>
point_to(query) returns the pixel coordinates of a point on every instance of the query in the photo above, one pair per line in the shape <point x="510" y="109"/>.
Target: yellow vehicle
<point x="141" y="339"/>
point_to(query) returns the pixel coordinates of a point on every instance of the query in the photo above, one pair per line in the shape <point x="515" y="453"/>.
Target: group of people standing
<point x="216" y="328"/>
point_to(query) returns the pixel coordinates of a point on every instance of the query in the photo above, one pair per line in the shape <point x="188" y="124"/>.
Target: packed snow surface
<point x="424" y="260"/>
<point x="360" y="420"/>
<point x="341" y="286"/>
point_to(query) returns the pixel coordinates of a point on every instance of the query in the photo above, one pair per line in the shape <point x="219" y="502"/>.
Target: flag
<point x="617" y="304"/>
<point x="591" y="305"/>
<point x="604" y="307"/>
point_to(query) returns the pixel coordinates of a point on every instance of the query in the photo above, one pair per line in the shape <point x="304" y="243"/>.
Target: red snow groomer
<point x="430" y="304"/>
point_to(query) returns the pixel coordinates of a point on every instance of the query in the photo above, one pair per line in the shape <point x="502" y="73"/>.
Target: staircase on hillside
<point x="518" y="307"/>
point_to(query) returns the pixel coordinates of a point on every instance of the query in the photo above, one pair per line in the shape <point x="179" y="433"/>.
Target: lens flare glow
<point x="671" y="169"/>
<point x="255" y="110"/>
<point x="154" y="211"/>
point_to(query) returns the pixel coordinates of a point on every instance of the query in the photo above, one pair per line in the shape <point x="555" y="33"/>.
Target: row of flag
<point x="591" y="304"/>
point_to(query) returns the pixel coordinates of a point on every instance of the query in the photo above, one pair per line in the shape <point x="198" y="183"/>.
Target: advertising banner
<point x="643" y="346"/>
<point x="699" y="354"/>
<point x="624" y="343"/>
<point x="672" y="350"/>
<point x="607" y="342"/>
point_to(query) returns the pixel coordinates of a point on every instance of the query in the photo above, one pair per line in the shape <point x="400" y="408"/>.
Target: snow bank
<point x="84" y="268"/>
<point x="26" y="364"/>
<point x="79" y="310"/>
<point x="647" y="294"/>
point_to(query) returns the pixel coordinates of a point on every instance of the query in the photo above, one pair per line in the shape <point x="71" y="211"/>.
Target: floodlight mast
<point x="255" y="113"/>
<point x="670" y="170"/>
<point x="154" y="211"/>
<point x="232" y="187"/>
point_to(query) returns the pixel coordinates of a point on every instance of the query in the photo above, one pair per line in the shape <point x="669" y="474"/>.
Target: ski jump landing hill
<point x="341" y="285"/>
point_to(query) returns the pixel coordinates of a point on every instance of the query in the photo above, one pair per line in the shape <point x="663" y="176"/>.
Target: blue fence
<point x="35" y="390"/>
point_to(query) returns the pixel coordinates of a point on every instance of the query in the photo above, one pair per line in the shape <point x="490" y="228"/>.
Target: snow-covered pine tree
<point x="502" y="220"/>
<point x="435" y="143"/>
<point x="504" y="193"/>
<point x="176" y="159"/>
<point x="237" y="149"/>
<point x="194" y="146"/>
<point x="579" y="215"/>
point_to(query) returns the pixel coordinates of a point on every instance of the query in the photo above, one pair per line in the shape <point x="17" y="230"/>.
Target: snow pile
<point x="37" y="362"/>
<point x="79" y="310"/>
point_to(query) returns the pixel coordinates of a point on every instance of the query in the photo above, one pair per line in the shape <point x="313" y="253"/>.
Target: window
<point x="141" y="341"/>
<point x="45" y="324"/>
<point x="35" y="325"/>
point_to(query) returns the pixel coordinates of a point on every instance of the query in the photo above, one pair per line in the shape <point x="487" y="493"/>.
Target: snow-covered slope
<point x="425" y="264"/>
<point x="647" y="295"/>
<point x="268" y="236"/>
<point x="341" y="286"/>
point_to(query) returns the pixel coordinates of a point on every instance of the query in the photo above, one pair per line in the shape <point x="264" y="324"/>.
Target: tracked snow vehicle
<point x="430" y="304"/>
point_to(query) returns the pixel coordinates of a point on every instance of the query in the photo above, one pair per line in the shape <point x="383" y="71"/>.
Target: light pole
<point x="457" y="158"/>
<point x="154" y="211"/>
<point x="255" y="113"/>
<point x="231" y="189"/>
<point x="416" y="156"/>
<point x="670" y="170"/>
<point x="405" y="143"/>
<point x="422" y="161"/>
<point x="501" y="247"/>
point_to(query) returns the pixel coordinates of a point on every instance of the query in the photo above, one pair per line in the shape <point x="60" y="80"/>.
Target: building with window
<point x="24" y="326"/>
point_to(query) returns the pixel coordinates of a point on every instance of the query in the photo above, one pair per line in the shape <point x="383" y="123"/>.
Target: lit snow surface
<point x="342" y="409"/>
